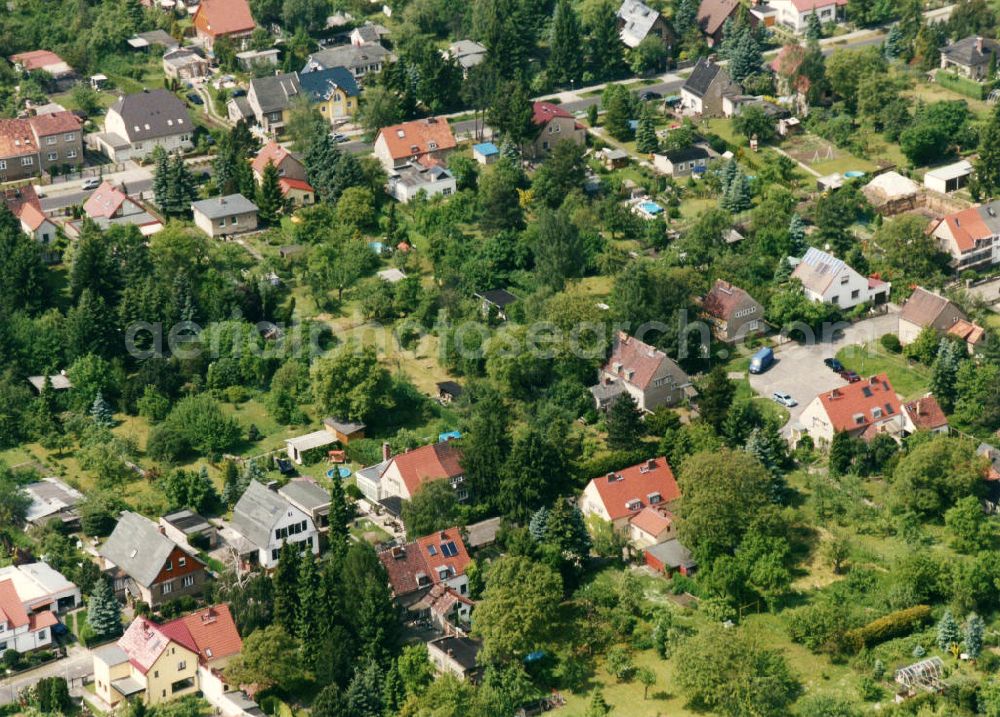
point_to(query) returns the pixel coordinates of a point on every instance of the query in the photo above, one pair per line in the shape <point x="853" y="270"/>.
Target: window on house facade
<point x="41" y="634"/>
<point x="71" y="154"/>
<point x="53" y="156"/>
<point x="181" y="665"/>
<point x="855" y="294"/>
<point x="188" y="581"/>
<point x="3" y="164"/>
<point x="51" y="140"/>
<point x="170" y="565"/>
<point x="69" y="137"/>
<point x="844" y="279"/>
<point x="167" y="588"/>
<point x="182" y="562"/>
<point x="27" y="161"/>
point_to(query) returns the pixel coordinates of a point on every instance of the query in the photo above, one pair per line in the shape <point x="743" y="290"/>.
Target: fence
<point x="961" y="85"/>
<point x="85" y="172"/>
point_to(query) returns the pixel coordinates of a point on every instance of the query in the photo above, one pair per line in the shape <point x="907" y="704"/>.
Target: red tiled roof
<point x="36" y="59"/>
<point x="634" y="355"/>
<point x="403" y="564"/>
<point x="542" y="112"/>
<point x="17" y="199"/>
<point x="16" y="138"/>
<point x="428" y="463"/>
<point x="414" y="138"/>
<point x="637" y="482"/>
<point x="966" y="227"/>
<point x="31" y="216"/>
<point x="224" y="17"/>
<point x="723" y="299"/>
<point x="813" y="5"/>
<point x="55" y="123"/>
<point x="412" y="567"/>
<point x="287" y="184"/>
<point x="210" y="632"/>
<point x="926" y="413"/>
<point x="967" y="331"/>
<point x="437" y="559"/>
<point x="652" y="520"/>
<point x="105" y="201"/>
<point x="851" y="407"/>
<point x="273" y="152"/>
<point x="11" y="609"/>
<point x="40" y="620"/>
<point x="143" y="642"/>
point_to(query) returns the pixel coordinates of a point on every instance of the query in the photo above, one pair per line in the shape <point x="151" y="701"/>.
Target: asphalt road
<point x="77" y="665"/>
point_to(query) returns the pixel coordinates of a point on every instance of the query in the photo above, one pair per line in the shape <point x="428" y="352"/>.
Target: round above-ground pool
<point x="342" y="471"/>
<point x="650" y="207"/>
<point x="854" y="174"/>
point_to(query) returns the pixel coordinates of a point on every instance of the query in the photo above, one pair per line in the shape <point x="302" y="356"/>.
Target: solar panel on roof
<point x="449" y="550"/>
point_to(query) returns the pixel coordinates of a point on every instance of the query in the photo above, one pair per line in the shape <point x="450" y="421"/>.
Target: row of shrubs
<point x="963" y="85"/>
<point x="895" y="624"/>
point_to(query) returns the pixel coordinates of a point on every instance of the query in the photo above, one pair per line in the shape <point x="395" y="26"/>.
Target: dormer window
<point x="876" y="412"/>
<point x="654" y="498"/>
<point x="432" y="145"/>
<point x="859" y="419"/>
<point x="633" y="504"/>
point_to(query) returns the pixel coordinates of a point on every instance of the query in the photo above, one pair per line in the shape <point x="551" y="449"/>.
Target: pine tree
<point x="537" y="525"/>
<point x="974" y="631"/>
<point x="270" y="200"/>
<point x="842" y="453"/>
<point x="685" y="17"/>
<point x="182" y="190"/>
<point x="893" y="47"/>
<point x="286" y="587"/>
<point x="944" y="374"/>
<point x="564" y="58"/>
<point x="646" y="141"/>
<point x="598" y="706"/>
<point x="101" y="412"/>
<point x="814" y="28"/>
<point x="617" y="111"/>
<point x="729" y="171"/>
<point x="737" y="197"/>
<point x="624" y="424"/>
<point x="796" y="236"/>
<point x="986" y="179"/>
<point x="104" y="614"/>
<point x="948" y="633"/>
<point x="745" y="57"/>
<point x="341" y="516"/>
<point x="232" y="488"/>
<point x="307" y="617"/>
<point x="604" y="43"/>
<point x="161" y="177"/>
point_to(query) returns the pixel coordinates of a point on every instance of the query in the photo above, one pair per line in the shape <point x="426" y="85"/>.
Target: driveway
<point x="74" y="667"/>
<point x="798" y="369"/>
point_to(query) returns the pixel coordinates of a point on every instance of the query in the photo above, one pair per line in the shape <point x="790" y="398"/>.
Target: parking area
<point x="798" y="368"/>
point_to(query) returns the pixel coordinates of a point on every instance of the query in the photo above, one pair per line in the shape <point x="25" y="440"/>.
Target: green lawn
<point x="908" y="380"/>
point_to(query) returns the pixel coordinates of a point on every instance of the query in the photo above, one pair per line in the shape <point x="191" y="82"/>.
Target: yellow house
<point x="333" y="92"/>
<point x="157" y="663"/>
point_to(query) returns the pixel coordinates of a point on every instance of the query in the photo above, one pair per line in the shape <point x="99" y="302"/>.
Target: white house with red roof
<point x="794" y="14"/>
<point x="110" y="205"/>
<point x="553" y="124"/>
<point x="637" y="500"/>
<point x="158" y="663"/>
<point x="645" y="372"/>
<point x="30" y="597"/>
<point x="971" y="237"/>
<point x="399" y="477"/>
<point x="426" y="142"/>
<point x="862" y="409"/>
<point x="292" y="177"/>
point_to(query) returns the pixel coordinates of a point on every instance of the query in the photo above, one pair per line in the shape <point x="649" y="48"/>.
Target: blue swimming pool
<point x="342" y="471"/>
<point x="854" y="174"/>
<point x="650" y="207"/>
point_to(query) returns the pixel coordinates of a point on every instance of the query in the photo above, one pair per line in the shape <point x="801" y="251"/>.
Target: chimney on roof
<point x="272" y="486"/>
<point x="386" y="452"/>
<point x="979" y="45"/>
<point x="443" y="534"/>
<point x="835" y="393"/>
<point x="651" y="464"/>
<point x="161" y="529"/>
<point x="873" y="380"/>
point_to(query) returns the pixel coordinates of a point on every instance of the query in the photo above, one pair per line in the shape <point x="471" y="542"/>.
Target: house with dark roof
<point x="705" y="87"/>
<point x="359" y="60"/>
<point x="416" y="567"/>
<point x="644" y="372"/>
<point x="712" y="16"/>
<point x="467" y="53"/>
<point x="333" y="91"/>
<point x="270" y="99"/>
<point x="156" y="663"/>
<point x="137" y="124"/>
<point x="670" y="557"/>
<point x="410" y="181"/>
<point x="863" y="409"/>
<point x="829" y="280"/>
<point x="553" y="124"/>
<point x="682" y="162"/>
<point x="427" y="142"/>
<point x="971" y="57"/>
<point x="925" y="308"/>
<point x="265" y="521"/>
<point x="971" y="236"/>
<point x="53" y="501"/>
<point x="455" y="655"/>
<point x="148" y="566"/>
<point x="494" y="302"/>
<point x="637" y="21"/>
<point x="187" y="528"/>
<point x="309" y="497"/>
<point x="402" y="475"/>
<point x="223" y="18"/>
<point x="224" y="216"/>
<point x="733" y="313"/>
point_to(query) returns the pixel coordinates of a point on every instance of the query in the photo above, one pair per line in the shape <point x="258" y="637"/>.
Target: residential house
<point x="159" y="663"/>
<point x="644" y="372"/>
<point x="925" y="308"/>
<point x="830" y="281"/>
<point x="187" y="528"/>
<point x="971" y="57"/>
<point x="266" y="521"/>
<point x="794" y="14"/>
<point x="361" y="61"/>
<point x="52" y="501"/>
<point x="712" y="16"/>
<point x="414" y="568"/>
<point x="734" y="314"/>
<point x="402" y="475"/>
<point x="147" y="565"/>
<point x="705" y="87"/>
<point x="467" y="53"/>
<point x="297" y="192"/>
<point x="33" y="145"/>
<point x="891" y="193"/>
<point x="972" y="334"/>
<point x="862" y="409"/>
<point x="30" y="598"/>
<point x="333" y="91"/>
<point x="494" y="303"/>
<point x="670" y="557"/>
<point x="309" y="497"/>
<point x="553" y="124"/>
<point x="223" y="18"/>
<point x="184" y="63"/>
<point x="455" y="655"/>
<point x="924" y="414"/>
<point x="485" y="152"/>
<point x="682" y="162"/>
<point x="293" y="179"/>
<point x="137" y="124"/>
<point x="368" y="33"/>
<point x="258" y="60"/>
<point x="424" y="141"/>
<point x="48" y="62"/>
<point x="623" y="497"/>
<point x="637" y="21"/>
<point x="224" y="216"/>
<point x="57" y="381"/>
<point x="412" y="180"/>
<point x="271" y="98"/>
<point x="39" y="227"/>
<point x="949" y="178"/>
<point x="110" y="205"/>
<point x="971" y="236"/>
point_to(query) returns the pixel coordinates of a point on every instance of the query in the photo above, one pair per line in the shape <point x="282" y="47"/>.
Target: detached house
<point x="713" y="14"/>
<point x="705" y="88"/>
<point x="643" y="371"/>
<point x="147" y="565"/>
<point x="137" y="124"/>
<point x="223" y="18"/>
<point x="398" y="478"/>
<point x="159" y="663"/>
<point x="270" y="99"/>
<point x="332" y="91"/>
<point x="925" y="308"/>
<point x="863" y="409"/>
<point x="970" y="236"/>
<point x="553" y="124"/>
<point x="266" y="521"/>
<point x="637" y="21"/>
<point x="682" y="162"/>
<point x="110" y="205"/>
<point x="794" y="14"/>
<point x="292" y="175"/>
<point x="733" y="312"/>
<point x="30" y="597"/>
<point x="359" y="60"/>
<point x="971" y="57"/>
<point x="437" y="561"/>
<point x="924" y="414"/>
<point x="829" y="280"/>
<point x="224" y="216"/>
<point x="426" y="142"/>
<point x="412" y="180"/>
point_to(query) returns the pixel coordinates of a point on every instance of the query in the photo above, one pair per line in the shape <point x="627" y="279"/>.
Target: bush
<point x="890" y="342"/>
<point x="366" y="451"/>
<point x="895" y="624"/>
<point x="961" y="85"/>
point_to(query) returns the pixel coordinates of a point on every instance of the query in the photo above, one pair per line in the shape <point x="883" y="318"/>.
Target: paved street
<point x="799" y="371"/>
<point x="77" y="665"/>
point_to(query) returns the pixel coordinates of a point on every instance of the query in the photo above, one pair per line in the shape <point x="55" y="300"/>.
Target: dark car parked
<point x="834" y="365"/>
<point x="850" y="376"/>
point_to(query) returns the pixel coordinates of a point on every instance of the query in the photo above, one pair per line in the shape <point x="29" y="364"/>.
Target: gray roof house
<point x="637" y="21"/>
<point x="51" y="499"/>
<point x="970" y="56"/>
<point x="704" y="89"/>
<point x="360" y="60"/>
<point x="136" y="124"/>
<point x="269" y="97"/>
<point x="266" y="520"/>
<point x="231" y="214"/>
<point x="147" y="565"/>
<point x="307" y="495"/>
<point x="467" y="53"/>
